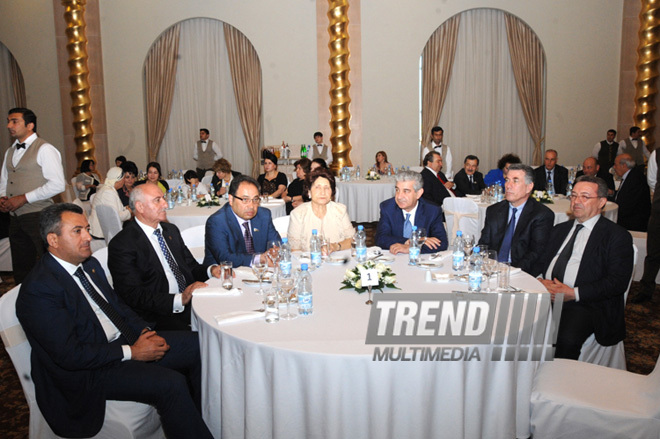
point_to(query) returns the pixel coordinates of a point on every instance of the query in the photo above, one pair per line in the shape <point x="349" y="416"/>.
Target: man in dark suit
<point x="89" y="347"/>
<point x="240" y="231"/>
<point x="469" y="181"/>
<point x="436" y="186"/>
<point x="551" y="171"/>
<point x="153" y="270"/>
<point x="590" y="261"/>
<point x="591" y="167"/>
<point x="633" y="196"/>
<point x="518" y="227"/>
<point x="399" y="214"/>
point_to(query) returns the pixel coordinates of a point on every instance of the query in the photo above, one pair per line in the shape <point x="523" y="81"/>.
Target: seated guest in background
<point x="154" y="176"/>
<point x="88" y="180"/>
<point x="119" y="160"/>
<point x="273" y="183"/>
<point x="107" y="196"/>
<point x="498" y="175"/>
<point x="469" y="181"/>
<point x="89" y="347"/>
<point x="551" y="171"/>
<point x="222" y="177"/>
<point x="190" y="177"/>
<point x="295" y="194"/>
<point x="320" y="150"/>
<point x="590" y="261"/>
<point x="518" y="227"/>
<point x="382" y="165"/>
<point x="130" y="176"/>
<point x="437" y="134"/>
<point x="633" y="196"/>
<point x="330" y="219"/>
<point x="407" y="208"/>
<point x="240" y="231"/>
<point x="318" y="163"/>
<point x="591" y="167"/>
<point x="606" y="151"/>
<point x="152" y="269"/>
<point x="436" y="186"/>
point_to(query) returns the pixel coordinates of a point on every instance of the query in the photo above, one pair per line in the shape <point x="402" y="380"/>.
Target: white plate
<point x="385" y="258"/>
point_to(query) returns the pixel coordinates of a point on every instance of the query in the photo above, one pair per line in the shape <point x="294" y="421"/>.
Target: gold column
<point x="339" y="84"/>
<point x="647" y="70"/>
<point x="78" y="77"/>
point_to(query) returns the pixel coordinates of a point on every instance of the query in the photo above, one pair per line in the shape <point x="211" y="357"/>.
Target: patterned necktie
<point x="107" y="309"/>
<point x="249" y="244"/>
<point x="559" y="269"/>
<point x="505" y="248"/>
<point x="407" y="227"/>
<point x="549" y="177"/>
<point x="180" y="278"/>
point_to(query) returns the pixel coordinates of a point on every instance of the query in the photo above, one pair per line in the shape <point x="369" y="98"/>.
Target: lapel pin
<point x="256" y="230"/>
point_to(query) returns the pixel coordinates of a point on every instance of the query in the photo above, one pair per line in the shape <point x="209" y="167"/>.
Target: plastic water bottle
<point x="170" y="199"/>
<point x="414" y="250"/>
<point x="357" y="172"/>
<point x="550" y="188"/>
<point x="475" y="276"/>
<point x="305" y="302"/>
<point x="285" y="258"/>
<point x="458" y="254"/>
<point x="193" y="194"/>
<point x="361" y="244"/>
<point x="179" y="197"/>
<point x="315" y="249"/>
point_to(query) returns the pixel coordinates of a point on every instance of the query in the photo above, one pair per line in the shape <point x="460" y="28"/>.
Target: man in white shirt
<point x="320" y="150"/>
<point x="205" y="153"/>
<point x="437" y="134"/>
<point x="31" y="175"/>
<point x="634" y="146"/>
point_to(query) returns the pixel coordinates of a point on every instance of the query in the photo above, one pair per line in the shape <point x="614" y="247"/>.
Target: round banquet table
<point x="362" y="197"/>
<point x="315" y="376"/>
<point x="184" y="216"/>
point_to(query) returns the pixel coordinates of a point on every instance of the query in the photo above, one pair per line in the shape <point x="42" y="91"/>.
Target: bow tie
<point x="20" y="145"/>
<point x="203" y="141"/>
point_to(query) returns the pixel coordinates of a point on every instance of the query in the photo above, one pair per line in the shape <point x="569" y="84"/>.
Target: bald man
<point x="591" y="167"/>
<point x="633" y="196"/>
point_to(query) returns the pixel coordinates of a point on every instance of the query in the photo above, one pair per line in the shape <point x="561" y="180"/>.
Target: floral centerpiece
<point x="209" y="201"/>
<point x="542" y="197"/>
<point x="353" y="278"/>
<point x="372" y="175"/>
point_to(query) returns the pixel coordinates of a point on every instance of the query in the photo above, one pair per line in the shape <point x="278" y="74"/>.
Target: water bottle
<point x="315" y="249"/>
<point x="458" y="254"/>
<point x="285" y="257"/>
<point x="414" y="250"/>
<point x="389" y="171"/>
<point x="193" y="194"/>
<point x="305" y="303"/>
<point x="569" y="189"/>
<point x="226" y="194"/>
<point x="550" y="188"/>
<point x="361" y="244"/>
<point x="474" y="277"/>
<point x="357" y="172"/>
<point x="170" y="199"/>
<point x="499" y="192"/>
<point x="179" y="197"/>
<point x="180" y="174"/>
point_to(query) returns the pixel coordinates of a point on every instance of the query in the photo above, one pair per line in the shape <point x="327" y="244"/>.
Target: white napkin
<point x="244" y="271"/>
<point x="216" y="292"/>
<point x="515" y="270"/>
<point x="238" y="317"/>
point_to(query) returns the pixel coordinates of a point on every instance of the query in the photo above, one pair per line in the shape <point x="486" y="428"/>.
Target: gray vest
<point x="637" y="154"/>
<point x="205" y="159"/>
<point x="443" y="150"/>
<point x="320" y="155"/>
<point x="26" y="176"/>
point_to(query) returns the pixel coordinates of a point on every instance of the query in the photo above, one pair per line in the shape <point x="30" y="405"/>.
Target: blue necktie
<point x="407" y="227"/>
<point x="505" y="248"/>
<point x="180" y="279"/>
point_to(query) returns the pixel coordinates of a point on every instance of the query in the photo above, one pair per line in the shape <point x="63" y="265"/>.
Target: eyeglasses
<point x="582" y="198"/>
<point x="248" y="200"/>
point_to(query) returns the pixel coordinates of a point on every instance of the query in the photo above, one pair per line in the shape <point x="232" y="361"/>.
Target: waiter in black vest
<point x="605" y="151"/>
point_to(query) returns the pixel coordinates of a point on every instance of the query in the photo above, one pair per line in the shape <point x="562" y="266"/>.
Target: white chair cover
<point x="207" y="179"/>
<point x="109" y="220"/>
<point x="123" y="419"/>
<point x="86" y="206"/>
<point x="76" y="191"/>
<point x="194" y="236"/>
<point x="281" y="225"/>
<point x="5" y="255"/>
<point x="417" y="168"/>
<point x="101" y="255"/>
<point x="461" y="214"/>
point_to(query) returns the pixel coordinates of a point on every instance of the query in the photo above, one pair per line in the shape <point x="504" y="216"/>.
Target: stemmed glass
<point x="468" y="244"/>
<point x="287" y="284"/>
<point x="489" y="266"/>
<point x="273" y="252"/>
<point x="421" y="236"/>
<point x="259" y="268"/>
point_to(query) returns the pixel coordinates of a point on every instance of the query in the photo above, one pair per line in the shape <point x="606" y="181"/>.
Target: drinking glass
<point x="490" y="266"/>
<point x="226" y="275"/>
<point x="259" y="268"/>
<point x="325" y="250"/>
<point x="421" y="236"/>
<point x="287" y="284"/>
<point x="503" y="276"/>
<point x="272" y="306"/>
<point x="273" y="251"/>
<point x="468" y="244"/>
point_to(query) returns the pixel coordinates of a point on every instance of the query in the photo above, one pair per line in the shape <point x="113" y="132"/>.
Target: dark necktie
<point x="180" y="278"/>
<point x="249" y="244"/>
<point x="505" y="248"/>
<point x="107" y="309"/>
<point x="549" y="179"/>
<point x="559" y="269"/>
<point x="20" y="146"/>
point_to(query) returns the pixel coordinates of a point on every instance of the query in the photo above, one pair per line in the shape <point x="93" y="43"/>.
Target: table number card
<point x="369" y="277"/>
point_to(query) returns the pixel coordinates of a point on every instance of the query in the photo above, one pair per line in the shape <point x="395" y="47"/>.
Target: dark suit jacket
<point x="434" y="191"/>
<point x="609" y="179"/>
<point x="139" y="277"/>
<point x="69" y="346"/>
<point x="224" y="236"/>
<point x="603" y="276"/>
<point x="560" y="179"/>
<point x="390" y="225"/>
<point x="634" y="200"/>
<point x="533" y="226"/>
<point x="463" y="185"/>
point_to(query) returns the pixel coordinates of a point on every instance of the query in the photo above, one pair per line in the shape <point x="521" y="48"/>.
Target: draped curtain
<point x="12" y="90"/>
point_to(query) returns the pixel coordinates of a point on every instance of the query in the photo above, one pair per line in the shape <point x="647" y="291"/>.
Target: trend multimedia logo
<point x="467" y="326"/>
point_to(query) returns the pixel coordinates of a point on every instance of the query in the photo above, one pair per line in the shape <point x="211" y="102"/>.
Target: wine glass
<point x="259" y="268"/>
<point x="468" y="244"/>
<point x="325" y="251"/>
<point x="287" y="284"/>
<point x="273" y="252"/>
<point x="421" y="236"/>
<point x="489" y="266"/>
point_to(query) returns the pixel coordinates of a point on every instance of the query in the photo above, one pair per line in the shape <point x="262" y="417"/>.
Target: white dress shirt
<point x="652" y="172"/>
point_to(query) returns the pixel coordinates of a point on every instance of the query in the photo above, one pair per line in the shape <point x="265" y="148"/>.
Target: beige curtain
<point x="528" y="64"/>
<point x="246" y="79"/>
<point x="159" y="79"/>
<point x="17" y="83"/>
<point x="437" y="63"/>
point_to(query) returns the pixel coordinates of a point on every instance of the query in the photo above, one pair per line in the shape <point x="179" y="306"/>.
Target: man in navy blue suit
<point x="89" y="347"/>
<point x="407" y="208"/>
<point x="239" y="232"/>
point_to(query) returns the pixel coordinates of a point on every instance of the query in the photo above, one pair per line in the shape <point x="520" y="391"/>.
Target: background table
<point x="362" y="197"/>
<point x="315" y="377"/>
<point x="184" y="216"/>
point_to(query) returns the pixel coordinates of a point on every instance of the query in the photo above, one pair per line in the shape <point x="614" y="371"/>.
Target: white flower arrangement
<point x="372" y="175"/>
<point x="542" y="197"/>
<point x="353" y="278"/>
<point x="209" y="201"/>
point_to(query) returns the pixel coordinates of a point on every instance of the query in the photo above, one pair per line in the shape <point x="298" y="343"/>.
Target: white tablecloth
<point x="362" y="198"/>
<point x="315" y="377"/>
<point x="184" y="216"/>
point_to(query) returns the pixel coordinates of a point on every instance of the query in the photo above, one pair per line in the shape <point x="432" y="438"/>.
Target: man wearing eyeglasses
<point x="590" y="261"/>
<point x="239" y="232"/>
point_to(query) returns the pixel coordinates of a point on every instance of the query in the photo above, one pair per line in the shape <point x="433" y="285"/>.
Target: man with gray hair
<point x="518" y="226"/>
<point x="407" y="208"/>
<point x="633" y="196"/>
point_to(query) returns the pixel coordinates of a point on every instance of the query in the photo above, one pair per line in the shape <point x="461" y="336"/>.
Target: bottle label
<point x="361" y="253"/>
<point x="457" y="261"/>
<point x="474" y="281"/>
<point x="285" y="267"/>
<point x="305" y="302"/>
<point x="316" y="258"/>
<point x="413" y="254"/>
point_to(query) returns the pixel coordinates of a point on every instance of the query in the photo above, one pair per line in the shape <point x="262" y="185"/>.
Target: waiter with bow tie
<point x="206" y="152"/>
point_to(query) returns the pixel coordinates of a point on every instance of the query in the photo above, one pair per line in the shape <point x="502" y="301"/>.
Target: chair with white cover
<point x="609" y="356"/>
<point x="86" y="206"/>
<point x="109" y="220"/>
<point x="461" y="214"/>
<point x="208" y="177"/>
<point x="123" y="419"/>
<point x="281" y="225"/>
<point x="74" y="186"/>
<point x="572" y="399"/>
<point x="194" y="238"/>
<point x="101" y="255"/>
<point x="417" y="168"/>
